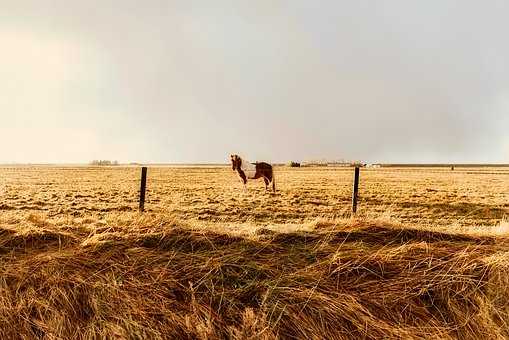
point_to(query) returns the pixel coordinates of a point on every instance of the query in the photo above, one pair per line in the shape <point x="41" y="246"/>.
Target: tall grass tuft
<point x="341" y="279"/>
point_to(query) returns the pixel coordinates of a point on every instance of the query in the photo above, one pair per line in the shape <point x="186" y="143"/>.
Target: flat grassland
<point x="426" y="256"/>
<point x="418" y="196"/>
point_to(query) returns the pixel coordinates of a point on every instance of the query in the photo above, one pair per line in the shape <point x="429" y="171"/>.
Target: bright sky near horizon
<point x="193" y="81"/>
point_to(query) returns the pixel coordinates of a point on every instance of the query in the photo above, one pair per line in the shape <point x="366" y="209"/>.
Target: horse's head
<point x="236" y="162"/>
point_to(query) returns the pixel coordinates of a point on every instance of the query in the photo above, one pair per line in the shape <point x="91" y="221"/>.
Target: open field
<point x="426" y="257"/>
<point x="436" y="197"/>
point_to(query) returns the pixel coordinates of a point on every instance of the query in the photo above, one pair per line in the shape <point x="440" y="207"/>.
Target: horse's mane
<point x="246" y="165"/>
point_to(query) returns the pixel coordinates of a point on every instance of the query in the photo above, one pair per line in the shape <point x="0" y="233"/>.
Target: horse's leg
<point x="244" y="179"/>
<point x="268" y="178"/>
<point x="273" y="180"/>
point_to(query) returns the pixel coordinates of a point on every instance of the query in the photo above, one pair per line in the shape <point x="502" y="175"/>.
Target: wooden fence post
<point x="143" y="188"/>
<point x="355" y="192"/>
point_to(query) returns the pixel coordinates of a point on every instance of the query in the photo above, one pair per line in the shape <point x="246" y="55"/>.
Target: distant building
<point x="337" y="163"/>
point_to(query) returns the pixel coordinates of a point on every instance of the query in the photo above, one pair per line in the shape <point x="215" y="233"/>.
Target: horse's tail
<point x="273" y="180"/>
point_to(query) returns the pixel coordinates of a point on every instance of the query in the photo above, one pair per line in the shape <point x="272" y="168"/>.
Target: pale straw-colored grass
<point x="153" y="276"/>
<point x="425" y="257"/>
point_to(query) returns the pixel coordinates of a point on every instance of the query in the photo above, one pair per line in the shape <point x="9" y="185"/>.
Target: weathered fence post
<point x="143" y="188"/>
<point x="355" y="192"/>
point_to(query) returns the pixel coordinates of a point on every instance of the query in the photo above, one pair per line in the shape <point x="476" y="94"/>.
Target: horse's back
<point x="263" y="170"/>
<point x="263" y="166"/>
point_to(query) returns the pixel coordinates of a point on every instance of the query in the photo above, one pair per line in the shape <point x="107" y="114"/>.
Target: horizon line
<point x="403" y="164"/>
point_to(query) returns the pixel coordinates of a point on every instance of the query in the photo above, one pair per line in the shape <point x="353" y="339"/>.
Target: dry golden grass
<point x="434" y="197"/>
<point x="427" y="256"/>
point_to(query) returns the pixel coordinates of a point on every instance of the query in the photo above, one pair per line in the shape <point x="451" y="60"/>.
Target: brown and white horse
<point x="257" y="170"/>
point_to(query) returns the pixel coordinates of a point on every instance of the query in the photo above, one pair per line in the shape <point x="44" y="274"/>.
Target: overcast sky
<point x="193" y="81"/>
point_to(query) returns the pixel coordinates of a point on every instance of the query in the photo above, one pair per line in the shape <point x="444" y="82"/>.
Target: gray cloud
<point x="189" y="81"/>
